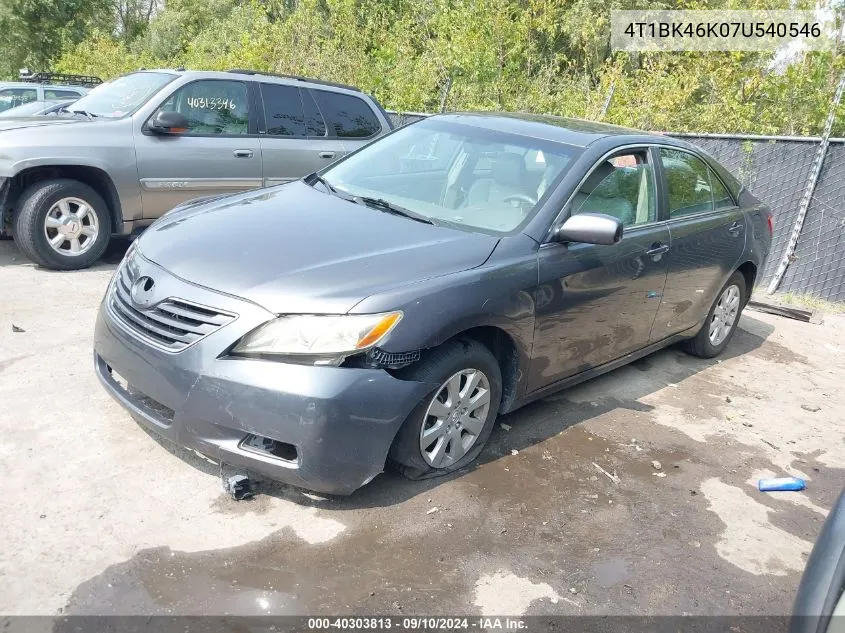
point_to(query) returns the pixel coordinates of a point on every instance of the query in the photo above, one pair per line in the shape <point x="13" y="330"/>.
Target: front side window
<point x="13" y="97"/>
<point x="212" y="106"/>
<point x="688" y="181"/>
<point x="346" y="116"/>
<point x="622" y="186"/>
<point x="122" y="96"/>
<point x="459" y="174"/>
<point x="283" y="113"/>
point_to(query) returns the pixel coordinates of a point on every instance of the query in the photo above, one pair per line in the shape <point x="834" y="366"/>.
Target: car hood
<point x="294" y="249"/>
<point x="19" y="123"/>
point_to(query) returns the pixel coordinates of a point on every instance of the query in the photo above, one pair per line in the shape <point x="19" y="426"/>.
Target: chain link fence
<point x="776" y="170"/>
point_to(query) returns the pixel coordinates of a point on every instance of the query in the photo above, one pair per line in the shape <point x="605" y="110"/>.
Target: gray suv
<point x="143" y="143"/>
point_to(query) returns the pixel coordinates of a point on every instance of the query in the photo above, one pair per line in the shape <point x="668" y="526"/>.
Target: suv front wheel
<point x="62" y="224"/>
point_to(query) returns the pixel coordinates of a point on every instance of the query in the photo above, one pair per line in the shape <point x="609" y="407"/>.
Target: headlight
<point x="317" y="339"/>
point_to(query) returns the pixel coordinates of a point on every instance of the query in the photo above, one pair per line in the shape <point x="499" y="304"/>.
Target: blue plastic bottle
<point x="781" y="483"/>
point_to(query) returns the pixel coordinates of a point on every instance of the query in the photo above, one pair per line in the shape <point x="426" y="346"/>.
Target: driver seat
<point x="508" y="177"/>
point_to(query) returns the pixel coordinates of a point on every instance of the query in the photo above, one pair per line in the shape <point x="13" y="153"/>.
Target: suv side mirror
<point x="590" y="228"/>
<point x="168" y="123"/>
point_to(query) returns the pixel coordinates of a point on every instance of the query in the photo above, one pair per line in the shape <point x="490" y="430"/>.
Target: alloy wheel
<point x="455" y="418"/>
<point x="724" y="315"/>
<point x="71" y="227"/>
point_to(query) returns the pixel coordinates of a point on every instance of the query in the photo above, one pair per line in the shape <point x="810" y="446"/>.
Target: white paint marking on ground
<point x="750" y="541"/>
<point x="505" y="593"/>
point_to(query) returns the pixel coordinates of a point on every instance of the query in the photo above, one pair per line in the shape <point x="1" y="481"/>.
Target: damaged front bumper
<point x="336" y="424"/>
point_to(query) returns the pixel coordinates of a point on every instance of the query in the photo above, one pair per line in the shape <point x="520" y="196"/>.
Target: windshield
<point x="123" y="95"/>
<point x="456" y="173"/>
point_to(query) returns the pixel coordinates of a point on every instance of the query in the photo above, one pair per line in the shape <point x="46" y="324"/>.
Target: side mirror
<point x="590" y="228"/>
<point x="168" y="123"/>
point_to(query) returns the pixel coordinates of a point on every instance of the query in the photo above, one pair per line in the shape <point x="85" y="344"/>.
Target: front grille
<point x="171" y="325"/>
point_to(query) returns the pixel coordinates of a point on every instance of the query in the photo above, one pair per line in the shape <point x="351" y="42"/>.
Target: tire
<point x="442" y="364"/>
<point x="64" y="200"/>
<point x="702" y="345"/>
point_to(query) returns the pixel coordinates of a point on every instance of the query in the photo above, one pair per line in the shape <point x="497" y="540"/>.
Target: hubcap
<point x="724" y="315"/>
<point x="455" y="417"/>
<point x="71" y="227"/>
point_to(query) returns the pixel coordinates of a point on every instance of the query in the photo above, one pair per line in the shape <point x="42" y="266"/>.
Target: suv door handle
<point x="326" y="154"/>
<point x="243" y="153"/>
<point x="735" y="228"/>
<point x="657" y="249"/>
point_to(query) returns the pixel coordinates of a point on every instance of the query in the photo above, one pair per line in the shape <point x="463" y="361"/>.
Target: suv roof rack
<point x="320" y="82"/>
<point x="59" y="79"/>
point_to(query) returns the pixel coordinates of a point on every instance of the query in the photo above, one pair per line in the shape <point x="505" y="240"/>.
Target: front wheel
<point x="62" y="224"/>
<point x="722" y="320"/>
<point x="450" y="427"/>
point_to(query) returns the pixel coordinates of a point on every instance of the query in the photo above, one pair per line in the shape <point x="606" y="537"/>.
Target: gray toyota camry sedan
<point x="389" y="307"/>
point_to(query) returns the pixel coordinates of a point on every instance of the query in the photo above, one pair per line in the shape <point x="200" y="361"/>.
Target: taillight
<point x="771" y="222"/>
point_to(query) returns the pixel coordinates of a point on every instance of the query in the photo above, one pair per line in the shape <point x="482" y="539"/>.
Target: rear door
<point x="219" y="153"/>
<point x="708" y="238"/>
<point x="294" y="140"/>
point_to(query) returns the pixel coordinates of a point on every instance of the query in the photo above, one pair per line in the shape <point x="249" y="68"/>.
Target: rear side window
<point x="212" y="107"/>
<point x="688" y="181"/>
<point x="314" y="123"/>
<point x="52" y="93"/>
<point x="283" y="113"/>
<point x="721" y="198"/>
<point x="346" y="116"/>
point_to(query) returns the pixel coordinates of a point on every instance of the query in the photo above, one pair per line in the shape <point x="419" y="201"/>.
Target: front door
<point x="708" y="238"/>
<point x="598" y="303"/>
<point x="219" y="153"/>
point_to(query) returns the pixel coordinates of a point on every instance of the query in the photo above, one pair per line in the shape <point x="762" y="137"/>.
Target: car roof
<point x="244" y="73"/>
<point x="32" y="84"/>
<point x="578" y="132"/>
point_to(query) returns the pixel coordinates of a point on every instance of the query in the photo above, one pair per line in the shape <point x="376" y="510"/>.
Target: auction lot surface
<point x="100" y="518"/>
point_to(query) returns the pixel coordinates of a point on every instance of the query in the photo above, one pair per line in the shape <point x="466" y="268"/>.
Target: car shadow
<point x="10" y="255"/>
<point x="528" y="426"/>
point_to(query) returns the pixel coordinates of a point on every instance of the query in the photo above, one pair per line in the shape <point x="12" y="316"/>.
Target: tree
<point x="35" y="31"/>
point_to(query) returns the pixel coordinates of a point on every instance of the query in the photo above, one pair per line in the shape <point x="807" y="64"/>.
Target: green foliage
<point x="547" y="56"/>
<point x="34" y="31"/>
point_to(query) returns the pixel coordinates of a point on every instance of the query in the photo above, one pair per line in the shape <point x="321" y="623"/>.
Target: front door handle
<point x="243" y="153"/>
<point x="735" y="228"/>
<point x="326" y="154"/>
<point x="657" y="249"/>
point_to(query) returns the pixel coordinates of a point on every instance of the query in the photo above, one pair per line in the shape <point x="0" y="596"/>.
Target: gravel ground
<point x="101" y="518"/>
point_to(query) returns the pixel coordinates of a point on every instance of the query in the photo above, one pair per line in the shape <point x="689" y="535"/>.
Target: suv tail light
<point x="770" y="220"/>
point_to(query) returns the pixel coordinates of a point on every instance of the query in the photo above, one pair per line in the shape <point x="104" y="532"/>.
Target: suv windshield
<point x="457" y="173"/>
<point x="123" y="95"/>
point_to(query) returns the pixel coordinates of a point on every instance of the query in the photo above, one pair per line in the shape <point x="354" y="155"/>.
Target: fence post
<point x="815" y="170"/>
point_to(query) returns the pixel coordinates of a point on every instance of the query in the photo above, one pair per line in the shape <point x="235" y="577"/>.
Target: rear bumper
<point x="341" y="421"/>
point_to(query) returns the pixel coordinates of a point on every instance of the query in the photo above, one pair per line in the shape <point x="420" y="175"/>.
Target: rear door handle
<point x="735" y="228"/>
<point x="243" y="153"/>
<point x="326" y="154"/>
<point x="657" y="249"/>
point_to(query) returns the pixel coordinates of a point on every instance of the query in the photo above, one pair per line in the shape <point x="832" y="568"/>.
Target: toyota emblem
<point x="142" y="292"/>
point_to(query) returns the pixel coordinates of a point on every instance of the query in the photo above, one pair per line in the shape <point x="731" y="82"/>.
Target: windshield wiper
<point x="389" y="207"/>
<point x="90" y="115"/>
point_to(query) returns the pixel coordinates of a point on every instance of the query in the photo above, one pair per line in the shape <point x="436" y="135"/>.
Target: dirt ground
<point x="98" y="517"/>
